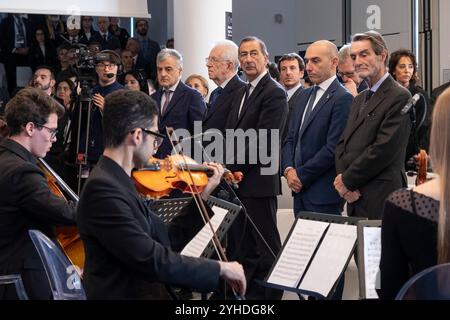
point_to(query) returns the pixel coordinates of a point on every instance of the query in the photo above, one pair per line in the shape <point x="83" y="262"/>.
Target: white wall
<point x="197" y="25"/>
<point x="444" y="40"/>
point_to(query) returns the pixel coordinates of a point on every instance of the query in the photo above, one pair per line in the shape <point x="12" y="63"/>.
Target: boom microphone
<point x="410" y="104"/>
<point x="110" y="75"/>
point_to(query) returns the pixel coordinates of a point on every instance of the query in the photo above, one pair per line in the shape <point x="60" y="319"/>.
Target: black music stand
<point x="167" y="209"/>
<point x="328" y="218"/>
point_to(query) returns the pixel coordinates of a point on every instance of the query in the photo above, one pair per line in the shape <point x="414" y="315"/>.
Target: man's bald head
<point x="321" y="60"/>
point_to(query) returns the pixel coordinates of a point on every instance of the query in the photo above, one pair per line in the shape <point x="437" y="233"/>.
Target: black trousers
<point x="247" y="247"/>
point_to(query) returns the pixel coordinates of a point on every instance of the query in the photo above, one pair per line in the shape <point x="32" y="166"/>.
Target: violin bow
<point x="201" y="207"/>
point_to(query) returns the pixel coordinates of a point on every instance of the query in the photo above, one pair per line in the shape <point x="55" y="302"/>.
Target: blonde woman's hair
<point x="440" y="159"/>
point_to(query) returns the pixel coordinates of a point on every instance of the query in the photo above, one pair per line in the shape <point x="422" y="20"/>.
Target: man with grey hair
<point x="222" y="64"/>
<point x="259" y="106"/>
<point x="346" y="71"/>
<point x="370" y="154"/>
<point x="179" y="105"/>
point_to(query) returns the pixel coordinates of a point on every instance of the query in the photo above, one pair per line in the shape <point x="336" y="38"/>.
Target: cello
<point x="67" y="236"/>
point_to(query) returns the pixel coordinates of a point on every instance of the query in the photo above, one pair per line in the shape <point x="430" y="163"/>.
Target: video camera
<point x="86" y="61"/>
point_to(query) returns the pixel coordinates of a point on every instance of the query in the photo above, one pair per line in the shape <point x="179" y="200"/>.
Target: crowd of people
<point x="342" y="139"/>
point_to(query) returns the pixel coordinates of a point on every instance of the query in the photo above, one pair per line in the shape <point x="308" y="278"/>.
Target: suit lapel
<point x="374" y="102"/>
<point x="177" y="95"/>
<point x="258" y="89"/>
<point x="301" y="103"/>
<point x="323" y="100"/>
<point x="222" y="98"/>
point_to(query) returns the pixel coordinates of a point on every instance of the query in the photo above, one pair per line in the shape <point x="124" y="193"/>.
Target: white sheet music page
<point x="198" y="244"/>
<point x="372" y="256"/>
<point x="330" y="259"/>
<point x="297" y="253"/>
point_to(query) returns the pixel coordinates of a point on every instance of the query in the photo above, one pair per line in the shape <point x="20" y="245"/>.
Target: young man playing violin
<point x="129" y="250"/>
<point x="26" y="201"/>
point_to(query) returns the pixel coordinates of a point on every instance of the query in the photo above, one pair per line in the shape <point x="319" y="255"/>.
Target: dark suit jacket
<point x="371" y="152"/>
<point x="266" y="108"/>
<point x="217" y="113"/>
<point x="437" y="92"/>
<point x="185" y="107"/>
<point x="128" y="247"/>
<point x="8" y="35"/>
<point x="111" y="43"/>
<point x="26" y="202"/>
<point x="291" y="103"/>
<point x="318" y="139"/>
<point x="37" y="58"/>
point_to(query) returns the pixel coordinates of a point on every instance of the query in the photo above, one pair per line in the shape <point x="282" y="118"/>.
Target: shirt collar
<point x="375" y="87"/>
<point x="291" y="91"/>
<point x="255" y="82"/>
<point x="18" y="149"/>
<point x="224" y="84"/>
<point x="327" y="83"/>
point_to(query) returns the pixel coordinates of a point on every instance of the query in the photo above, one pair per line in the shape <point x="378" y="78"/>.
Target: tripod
<point x="84" y="104"/>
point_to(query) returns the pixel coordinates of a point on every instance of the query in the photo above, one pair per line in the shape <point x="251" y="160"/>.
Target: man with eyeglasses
<point x="26" y="201"/>
<point x="222" y="64"/>
<point x="130" y="252"/>
<point x="347" y="74"/>
<point x="106" y="69"/>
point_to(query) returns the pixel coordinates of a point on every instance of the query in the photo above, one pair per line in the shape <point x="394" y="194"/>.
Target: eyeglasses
<point x="101" y="65"/>
<point x="53" y="132"/>
<point x="158" y="137"/>
<point x="347" y="74"/>
<point x="214" y="60"/>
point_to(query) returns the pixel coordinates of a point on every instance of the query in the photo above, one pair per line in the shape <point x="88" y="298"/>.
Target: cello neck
<point x="72" y="195"/>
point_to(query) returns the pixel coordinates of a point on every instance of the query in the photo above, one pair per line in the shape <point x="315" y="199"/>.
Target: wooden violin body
<point x="160" y="177"/>
<point x="422" y="160"/>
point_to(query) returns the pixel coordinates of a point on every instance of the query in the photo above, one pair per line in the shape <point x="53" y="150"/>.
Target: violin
<point x="67" y="236"/>
<point x="161" y="176"/>
<point x="422" y="159"/>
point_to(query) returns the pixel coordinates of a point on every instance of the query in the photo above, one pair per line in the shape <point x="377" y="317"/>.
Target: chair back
<point x="431" y="284"/>
<point x="64" y="278"/>
<point x="16" y="280"/>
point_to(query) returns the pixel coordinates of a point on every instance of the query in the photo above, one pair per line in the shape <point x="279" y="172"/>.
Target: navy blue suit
<point x="315" y="157"/>
<point x="217" y="114"/>
<point x="185" y="107"/>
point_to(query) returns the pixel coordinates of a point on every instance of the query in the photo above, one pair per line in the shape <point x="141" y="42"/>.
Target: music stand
<point x="319" y="217"/>
<point x="168" y="209"/>
<point x="362" y="267"/>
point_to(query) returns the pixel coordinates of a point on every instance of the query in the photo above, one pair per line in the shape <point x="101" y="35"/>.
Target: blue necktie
<point x="307" y="111"/>
<point x="214" y="95"/>
<point x="309" y="108"/>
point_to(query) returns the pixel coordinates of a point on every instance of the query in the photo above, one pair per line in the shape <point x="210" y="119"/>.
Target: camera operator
<point x="106" y="67"/>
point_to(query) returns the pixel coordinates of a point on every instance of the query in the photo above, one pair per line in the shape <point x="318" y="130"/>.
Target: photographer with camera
<point x="89" y="129"/>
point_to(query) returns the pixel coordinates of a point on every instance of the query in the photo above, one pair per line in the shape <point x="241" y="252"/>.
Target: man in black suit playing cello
<point x="26" y="201"/>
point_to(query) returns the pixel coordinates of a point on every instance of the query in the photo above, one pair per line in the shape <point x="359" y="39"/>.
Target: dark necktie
<point x="246" y="95"/>
<point x="105" y="37"/>
<point x="307" y="111"/>
<point x="214" y="95"/>
<point x="166" y="102"/>
<point x="369" y="94"/>
<point x="309" y="108"/>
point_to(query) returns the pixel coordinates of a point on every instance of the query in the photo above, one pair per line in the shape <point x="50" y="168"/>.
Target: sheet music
<point x="198" y="244"/>
<point x="297" y="253"/>
<point x="330" y="259"/>
<point x="372" y="255"/>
